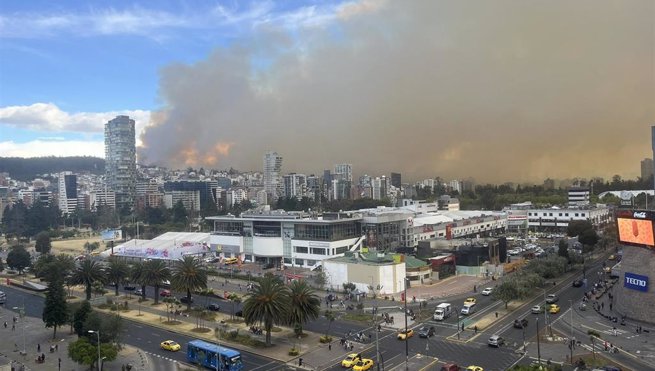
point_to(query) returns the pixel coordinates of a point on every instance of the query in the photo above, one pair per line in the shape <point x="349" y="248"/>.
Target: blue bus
<point x="213" y="356"/>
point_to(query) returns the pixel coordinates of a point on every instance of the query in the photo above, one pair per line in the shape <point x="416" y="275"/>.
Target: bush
<point x="293" y="352"/>
<point x="325" y="339"/>
<point x="593" y="333"/>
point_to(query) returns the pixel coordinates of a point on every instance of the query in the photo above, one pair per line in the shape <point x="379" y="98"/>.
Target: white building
<point x="295" y="185"/>
<point x="343" y="172"/>
<point x="190" y="199"/>
<point x="556" y="218"/>
<point x="383" y="274"/>
<point x="67" y="192"/>
<point x="102" y="197"/>
<point x="168" y="246"/>
<point x="579" y="196"/>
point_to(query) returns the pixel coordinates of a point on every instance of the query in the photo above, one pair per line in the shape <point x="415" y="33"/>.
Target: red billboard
<point x="636" y="228"/>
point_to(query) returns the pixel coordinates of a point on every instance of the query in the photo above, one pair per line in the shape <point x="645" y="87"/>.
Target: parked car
<point x="138" y="292"/>
<point x="521" y="323"/>
<point x="449" y="367"/>
<point x="551" y="299"/>
<point x="214" y="307"/>
<point x="577" y="283"/>
<point x="165" y="293"/>
<point x="129" y="287"/>
<point x="239" y="313"/>
<point x="496" y="341"/>
<point x="426" y="332"/>
<point x="228" y="261"/>
<point x="487" y="291"/>
<point x="186" y="300"/>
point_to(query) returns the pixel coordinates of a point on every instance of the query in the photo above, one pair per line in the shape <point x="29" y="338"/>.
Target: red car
<point x="165" y="293"/>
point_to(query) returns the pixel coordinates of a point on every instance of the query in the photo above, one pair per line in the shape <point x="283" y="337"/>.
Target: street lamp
<point x="98" y="335"/>
<point x="21" y="315"/>
<point x="571" y="324"/>
<point x="538" y="346"/>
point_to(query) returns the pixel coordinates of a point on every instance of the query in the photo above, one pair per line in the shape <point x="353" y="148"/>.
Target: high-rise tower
<point x="120" y="160"/>
<point x="67" y="192"/>
<point x="272" y="168"/>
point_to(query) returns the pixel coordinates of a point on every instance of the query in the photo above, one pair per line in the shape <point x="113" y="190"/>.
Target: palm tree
<point x="189" y="275"/>
<point x="268" y="303"/>
<point x="88" y="272"/>
<point x="155" y="272"/>
<point x="118" y="272"/>
<point x="136" y="275"/>
<point x="305" y="304"/>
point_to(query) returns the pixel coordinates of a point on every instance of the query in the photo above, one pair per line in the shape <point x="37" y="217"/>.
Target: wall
<point x="632" y="303"/>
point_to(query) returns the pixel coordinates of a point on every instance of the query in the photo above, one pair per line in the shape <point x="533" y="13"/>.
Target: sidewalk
<point x="30" y="335"/>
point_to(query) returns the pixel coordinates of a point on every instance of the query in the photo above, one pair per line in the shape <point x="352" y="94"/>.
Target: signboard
<point x="635" y="282"/>
<point x="635" y="228"/>
<point x="111" y="234"/>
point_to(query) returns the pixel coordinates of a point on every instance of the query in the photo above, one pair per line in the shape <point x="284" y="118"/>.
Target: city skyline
<point x="322" y="83"/>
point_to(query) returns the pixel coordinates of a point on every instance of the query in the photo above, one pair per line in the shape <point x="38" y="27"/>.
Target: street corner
<point x="418" y="362"/>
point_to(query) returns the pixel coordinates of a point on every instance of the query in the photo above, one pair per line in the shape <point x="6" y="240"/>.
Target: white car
<point x="537" y="309"/>
<point x="487" y="291"/>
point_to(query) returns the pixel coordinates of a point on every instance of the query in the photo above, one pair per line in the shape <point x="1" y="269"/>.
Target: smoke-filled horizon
<point x="497" y="91"/>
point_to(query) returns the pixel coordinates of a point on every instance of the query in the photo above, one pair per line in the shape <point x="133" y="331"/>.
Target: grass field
<point x="75" y="246"/>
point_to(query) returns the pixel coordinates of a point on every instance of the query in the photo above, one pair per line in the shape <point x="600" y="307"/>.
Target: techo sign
<point x="635" y="282"/>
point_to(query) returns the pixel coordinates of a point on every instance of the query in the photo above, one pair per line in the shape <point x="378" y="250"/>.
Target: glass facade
<point x="233" y="228"/>
<point x="382" y="236"/>
<point x="266" y="229"/>
<point x="327" y="232"/>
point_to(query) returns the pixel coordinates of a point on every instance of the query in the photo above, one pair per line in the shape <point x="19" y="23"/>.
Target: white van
<point x="442" y="312"/>
<point x="468" y="309"/>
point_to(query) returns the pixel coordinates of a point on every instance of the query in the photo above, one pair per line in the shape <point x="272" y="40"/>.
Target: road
<point x="137" y="335"/>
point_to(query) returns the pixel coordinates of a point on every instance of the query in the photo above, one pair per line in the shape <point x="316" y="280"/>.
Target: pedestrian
<point x="462" y="326"/>
<point x="602" y="305"/>
<point x="56" y="347"/>
<point x="610" y="306"/>
<point x="475" y="328"/>
<point x="330" y="346"/>
<point x="38" y="347"/>
<point x="614" y="331"/>
<point x="352" y="346"/>
<point x="13" y="327"/>
<point x="640" y="329"/>
<point x="496" y="314"/>
<point x="5" y="324"/>
<point x="475" y="288"/>
<point x="606" y="345"/>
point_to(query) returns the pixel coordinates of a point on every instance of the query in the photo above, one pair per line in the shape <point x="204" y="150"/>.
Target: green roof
<point x="412" y="262"/>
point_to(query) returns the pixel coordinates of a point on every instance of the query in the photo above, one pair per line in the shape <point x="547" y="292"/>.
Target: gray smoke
<point x="494" y="90"/>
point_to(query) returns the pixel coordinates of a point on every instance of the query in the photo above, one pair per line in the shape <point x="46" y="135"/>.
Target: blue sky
<point x="68" y="66"/>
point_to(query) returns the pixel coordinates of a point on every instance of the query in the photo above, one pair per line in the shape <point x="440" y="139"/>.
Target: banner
<point x="635" y="282"/>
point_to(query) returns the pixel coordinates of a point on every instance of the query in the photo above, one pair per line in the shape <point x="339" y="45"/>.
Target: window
<point x="318" y="251"/>
<point x="248" y="258"/>
<point x="583" y="214"/>
<point x="340" y="250"/>
<point x="311" y="263"/>
<point x="567" y="214"/>
<point x="560" y="214"/>
<point x="287" y="260"/>
<point x="300" y="249"/>
<point x="576" y="214"/>
<point x="300" y="261"/>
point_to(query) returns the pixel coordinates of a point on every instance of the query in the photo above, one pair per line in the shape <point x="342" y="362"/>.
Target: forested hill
<point x="28" y="168"/>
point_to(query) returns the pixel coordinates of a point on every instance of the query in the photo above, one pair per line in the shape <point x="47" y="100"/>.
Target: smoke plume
<point x="494" y="90"/>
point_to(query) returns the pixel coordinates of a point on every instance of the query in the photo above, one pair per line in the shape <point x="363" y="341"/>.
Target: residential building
<point x="579" y="196"/>
<point x="647" y="169"/>
<point x="295" y="185"/>
<point x="190" y="199"/>
<point x="206" y="188"/>
<point x="120" y="160"/>
<point x="396" y="180"/>
<point x="343" y="172"/>
<point x="272" y="179"/>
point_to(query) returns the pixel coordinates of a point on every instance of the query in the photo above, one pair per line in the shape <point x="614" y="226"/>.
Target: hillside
<point x="28" y="168"/>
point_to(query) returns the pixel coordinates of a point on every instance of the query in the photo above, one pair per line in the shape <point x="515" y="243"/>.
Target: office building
<point x="67" y="192"/>
<point x="272" y="179"/>
<point x="343" y="172"/>
<point x="396" y="180"/>
<point x="206" y="189"/>
<point x="647" y="169"/>
<point x="295" y="186"/>
<point x="120" y="160"/>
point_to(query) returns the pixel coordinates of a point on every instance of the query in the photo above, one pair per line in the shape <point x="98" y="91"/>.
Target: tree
<point x="18" y="258"/>
<point x="189" y="275"/>
<point x="268" y="303"/>
<point x="118" y="272"/>
<point x="84" y="352"/>
<point x="43" y="244"/>
<point x="235" y="299"/>
<point x="563" y="249"/>
<point x="507" y="291"/>
<point x="154" y="273"/>
<point x="179" y="213"/>
<point x="52" y="267"/>
<point x="137" y="276"/>
<point x="588" y="237"/>
<point x="576" y="227"/>
<point x="88" y="272"/>
<point x="55" y="310"/>
<point x="90" y="246"/>
<point x="329" y="315"/>
<point x="305" y="304"/>
<point x="80" y="316"/>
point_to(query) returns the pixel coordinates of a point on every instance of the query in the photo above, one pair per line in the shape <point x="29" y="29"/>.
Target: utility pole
<point x="377" y="344"/>
<point x="406" y="338"/>
<point x="457" y="310"/>
<point x="571" y="340"/>
<point x="538" y="346"/>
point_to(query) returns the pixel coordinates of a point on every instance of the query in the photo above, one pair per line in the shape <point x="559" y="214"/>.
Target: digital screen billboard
<point x="636" y="228"/>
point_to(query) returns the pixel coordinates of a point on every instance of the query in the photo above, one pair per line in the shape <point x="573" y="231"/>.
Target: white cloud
<point x="48" y="117"/>
<point x="40" y="148"/>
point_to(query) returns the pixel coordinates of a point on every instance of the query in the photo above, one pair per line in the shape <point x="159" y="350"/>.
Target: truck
<point x="443" y="311"/>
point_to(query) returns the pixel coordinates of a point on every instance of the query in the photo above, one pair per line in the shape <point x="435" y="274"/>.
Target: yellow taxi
<point x="553" y="309"/>
<point x="170" y="345"/>
<point x="474" y="368"/>
<point x="405" y="334"/>
<point x="363" y="365"/>
<point x="228" y="261"/>
<point x="350" y="360"/>
<point x="469" y="301"/>
<point x="612" y="257"/>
